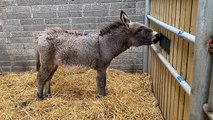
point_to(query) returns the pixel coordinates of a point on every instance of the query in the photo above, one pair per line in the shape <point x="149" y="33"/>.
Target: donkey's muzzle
<point x="157" y="37"/>
<point x="154" y="33"/>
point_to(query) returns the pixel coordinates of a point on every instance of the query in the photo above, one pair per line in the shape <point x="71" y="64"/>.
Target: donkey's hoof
<point x="48" y="95"/>
<point x="100" y="96"/>
<point x="40" y="97"/>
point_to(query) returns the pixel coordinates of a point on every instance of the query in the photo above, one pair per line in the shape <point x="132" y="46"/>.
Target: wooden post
<point x="202" y="61"/>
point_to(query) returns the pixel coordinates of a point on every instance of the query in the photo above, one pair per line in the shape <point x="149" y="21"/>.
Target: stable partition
<point x="181" y="14"/>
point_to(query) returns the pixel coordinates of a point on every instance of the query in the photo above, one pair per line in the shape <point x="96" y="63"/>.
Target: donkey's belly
<point x="76" y="60"/>
<point x="75" y="68"/>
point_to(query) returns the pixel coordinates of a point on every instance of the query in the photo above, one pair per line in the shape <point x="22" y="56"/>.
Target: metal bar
<point x="183" y="34"/>
<point x="206" y="110"/>
<point x="145" y="48"/>
<point x="202" y="61"/>
<point x="175" y="74"/>
<point x="210" y="98"/>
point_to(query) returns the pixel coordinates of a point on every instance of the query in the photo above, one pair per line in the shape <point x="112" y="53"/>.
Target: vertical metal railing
<point x="202" y="61"/>
<point x="145" y="48"/>
<point x="208" y="107"/>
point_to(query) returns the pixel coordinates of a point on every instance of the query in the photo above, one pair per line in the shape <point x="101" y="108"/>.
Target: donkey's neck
<point x="113" y="43"/>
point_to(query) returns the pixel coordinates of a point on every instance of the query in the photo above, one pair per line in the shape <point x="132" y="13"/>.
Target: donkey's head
<point x="139" y="34"/>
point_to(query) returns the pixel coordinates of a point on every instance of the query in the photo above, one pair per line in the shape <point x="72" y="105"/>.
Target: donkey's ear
<point x="124" y="18"/>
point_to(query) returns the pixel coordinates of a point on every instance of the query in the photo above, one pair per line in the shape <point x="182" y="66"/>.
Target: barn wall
<point x="21" y="19"/>
<point x="173" y="101"/>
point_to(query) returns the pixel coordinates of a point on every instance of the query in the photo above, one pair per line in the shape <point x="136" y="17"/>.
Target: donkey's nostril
<point x="148" y="30"/>
<point x="154" y="33"/>
<point x="157" y="37"/>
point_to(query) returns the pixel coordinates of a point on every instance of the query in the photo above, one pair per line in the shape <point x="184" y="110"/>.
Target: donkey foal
<point x="56" y="46"/>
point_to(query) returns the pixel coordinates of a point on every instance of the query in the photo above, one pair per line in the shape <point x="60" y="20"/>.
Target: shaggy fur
<point x="111" y="26"/>
<point x="56" y="46"/>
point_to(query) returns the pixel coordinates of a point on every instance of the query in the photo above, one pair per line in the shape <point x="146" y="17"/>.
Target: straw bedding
<point x="74" y="97"/>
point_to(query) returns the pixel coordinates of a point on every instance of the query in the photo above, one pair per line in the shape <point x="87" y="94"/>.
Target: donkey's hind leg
<point x="47" y="84"/>
<point x="43" y="75"/>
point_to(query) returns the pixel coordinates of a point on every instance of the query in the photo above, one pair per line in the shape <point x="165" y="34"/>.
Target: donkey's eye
<point x="140" y="29"/>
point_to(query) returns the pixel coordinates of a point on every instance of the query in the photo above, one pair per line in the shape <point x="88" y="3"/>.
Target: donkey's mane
<point x="111" y="26"/>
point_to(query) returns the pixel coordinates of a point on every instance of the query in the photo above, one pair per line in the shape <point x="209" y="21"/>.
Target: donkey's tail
<point x="37" y="60"/>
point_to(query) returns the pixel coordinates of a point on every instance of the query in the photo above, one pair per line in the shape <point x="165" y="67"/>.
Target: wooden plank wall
<point x="172" y="100"/>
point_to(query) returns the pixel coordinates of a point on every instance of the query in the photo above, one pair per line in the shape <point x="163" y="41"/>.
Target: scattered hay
<point x="74" y="97"/>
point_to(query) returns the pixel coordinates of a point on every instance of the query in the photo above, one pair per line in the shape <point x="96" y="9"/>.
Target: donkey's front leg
<point x="101" y="81"/>
<point x="42" y="76"/>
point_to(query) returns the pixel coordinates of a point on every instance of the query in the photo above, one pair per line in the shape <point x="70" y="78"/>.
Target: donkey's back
<point x="61" y="47"/>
